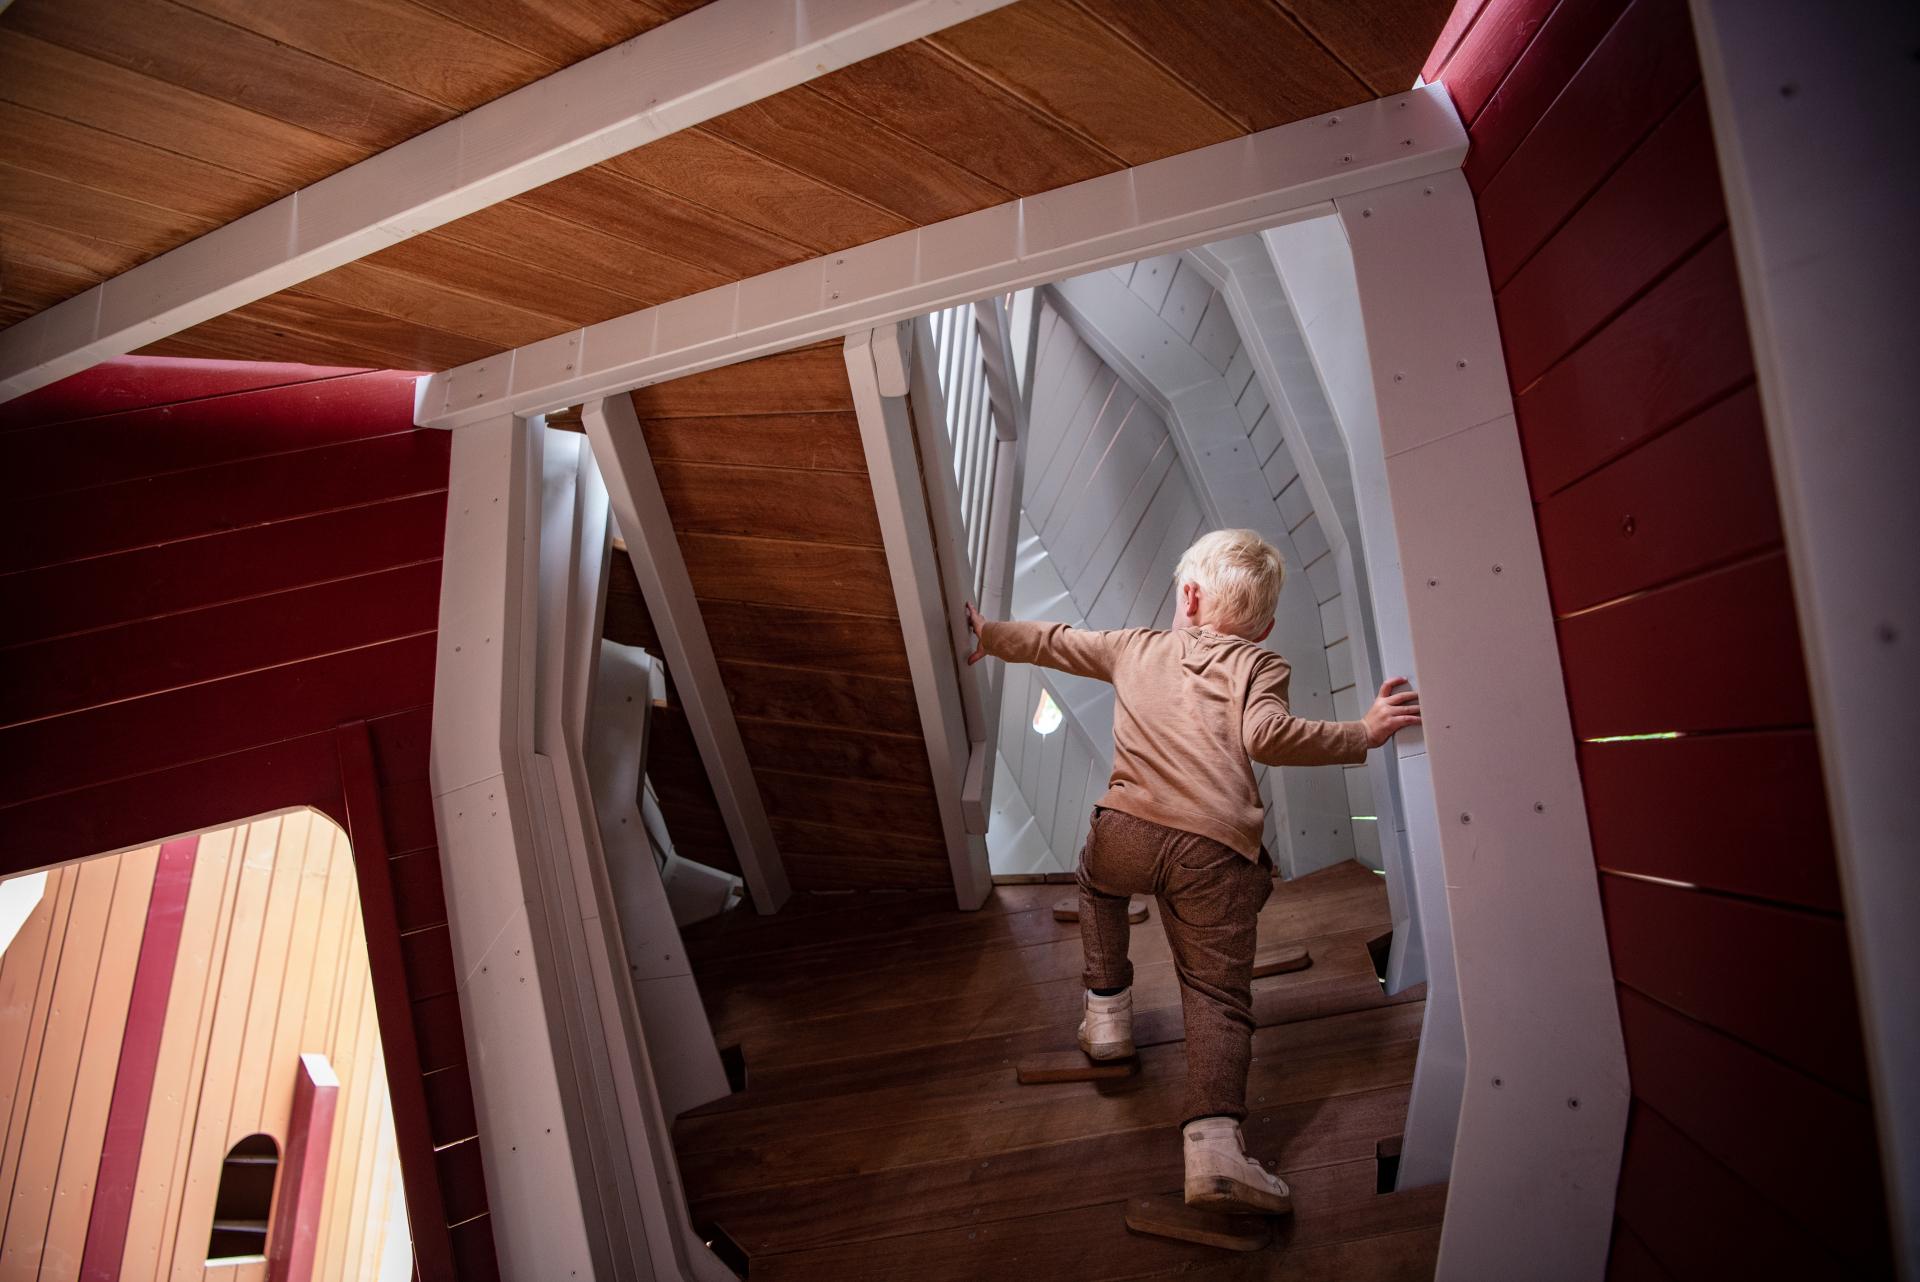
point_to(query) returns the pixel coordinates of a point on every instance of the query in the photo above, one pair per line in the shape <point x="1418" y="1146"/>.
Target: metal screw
<point x="1433" y="583"/>
<point x="1887" y="633"/>
<point x="1406" y="142"/>
<point x="1465" y="818"/>
<point x="1498" y="1082"/>
<point x="1428" y="191"/>
<point x="1539" y="807"/>
<point x="1366" y="213"/>
<point x="1399" y="378"/>
<point x="1459" y="364"/>
<point x="1333" y="120"/>
<point x="1789" y="89"/>
<point x="1346" y="160"/>
<point x="1496" y="569"/>
<point x="1627" y="526"/>
<point x="1573" y="1102"/>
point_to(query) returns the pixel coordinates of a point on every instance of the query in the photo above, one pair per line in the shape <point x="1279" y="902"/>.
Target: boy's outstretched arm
<point x="1051" y="645"/>
<point x="1275" y="737"/>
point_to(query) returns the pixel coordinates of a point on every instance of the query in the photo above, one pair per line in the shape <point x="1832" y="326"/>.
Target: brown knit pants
<point x="1210" y="897"/>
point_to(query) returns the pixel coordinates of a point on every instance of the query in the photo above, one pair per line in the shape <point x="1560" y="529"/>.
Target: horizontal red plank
<point x="1654" y="210"/>
<point x="142" y="735"/>
<point x="1776" y="978"/>
<point x="1488" y="51"/>
<point x="71" y="674"/>
<point x="145" y="808"/>
<point x="66" y="457"/>
<point x="406" y="812"/>
<point x="436" y="1025"/>
<point x="1699" y="1220"/>
<point x="1637" y="74"/>
<point x="450" y="1115"/>
<point x="1629" y="1260"/>
<point x="132" y="382"/>
<point x="1456" y="28"/>
<point x="1809" y="1151"/>
<point x="1717" y="652"/>
<point x="189" y="575"/>
<point x="1640" y="521"/>
<point x="1745" y="813"/>
<point x="1679" y="348"/>
<point x="183" y="505"/>
<point x="463" y="1186"/>
<point x="475" y="1257"/>
<point x="402" y="747"/>
<point x="1524" y="92"/>
<point x="427" y="955"/>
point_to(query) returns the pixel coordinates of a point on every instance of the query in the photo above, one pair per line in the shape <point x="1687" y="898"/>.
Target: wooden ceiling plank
<point x="921" y="94"/>
<point x="395" y="343"/>
<point x="207" y="56"/>
<point x="515" y="230"/>
<point x="724" y="498"/>
<point x="1252" y="61"/>
<point x="672" y="77"/>
<point x="241" y="337"/>
<point x="127" y="104"/>
<point x="710" y="171"/>
<point x="68" y="252"/>
<point x="56" y="203"/>
<point x="798" y="382"/>
<point x="39" y="284"/>
<point x="1384" y="42"/>
<point x="598" y="197"/>
<point x="822" y="441"/>
<point x="432" y="303"/>
<point x="1080" y="72"/>
<point x="808" y="132"/>
<point x="413" y="49"/>
<point x="123" y="167"/>
<point x="561" y="31"/>
<point x="435" y="260"/>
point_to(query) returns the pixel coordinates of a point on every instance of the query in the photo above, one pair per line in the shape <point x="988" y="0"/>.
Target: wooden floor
<point x="882" y="1133"/>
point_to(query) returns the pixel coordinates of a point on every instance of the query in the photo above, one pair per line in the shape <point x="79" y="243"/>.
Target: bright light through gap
<point x="1047" y="715"/>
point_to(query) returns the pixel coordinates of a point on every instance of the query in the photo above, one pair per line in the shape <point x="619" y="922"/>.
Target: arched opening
<point x="244" y="1202"/>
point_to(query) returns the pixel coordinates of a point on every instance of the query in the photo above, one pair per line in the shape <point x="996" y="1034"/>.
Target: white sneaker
<point x="1106" y="1030"/>
<point x="1222" y="1176"/>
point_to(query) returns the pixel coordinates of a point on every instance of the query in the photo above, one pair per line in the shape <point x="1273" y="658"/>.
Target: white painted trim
<point x="1533" y="1176"/>
<point x="1184" y="200"/>
<point x="919" y="591"/>
<point x="1810" y="109"/>
<point x="620" y="448"/>
<point x="719" y="57"/>
<point x="1198" y="407"/>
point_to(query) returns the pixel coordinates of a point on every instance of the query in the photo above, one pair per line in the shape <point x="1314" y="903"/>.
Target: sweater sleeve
<point x="1055" y="645"/>
<point x="1275" y="737"/>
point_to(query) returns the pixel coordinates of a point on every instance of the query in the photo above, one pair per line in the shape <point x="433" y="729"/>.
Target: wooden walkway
<point x="882" y="1133"/>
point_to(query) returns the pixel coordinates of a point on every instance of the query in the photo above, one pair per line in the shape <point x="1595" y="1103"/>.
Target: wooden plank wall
<point x="1750" y="1150"/>
<point x="766" y="482"/>
<point x="205" y="568"/>
<point x="273" y="964"/>
<point x="130" y="126"/>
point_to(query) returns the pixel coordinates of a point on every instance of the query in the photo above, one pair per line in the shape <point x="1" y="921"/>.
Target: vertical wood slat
<point x="433" y="1249"/>
<point x="133" y="1083"/>
<point x="303" y="1163"/>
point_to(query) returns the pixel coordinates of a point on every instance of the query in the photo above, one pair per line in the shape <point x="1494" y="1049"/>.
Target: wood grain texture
<point x="1384" y="43"/>
<point x="879" y="1152"/>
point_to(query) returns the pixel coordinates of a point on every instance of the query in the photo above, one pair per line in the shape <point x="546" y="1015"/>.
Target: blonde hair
<point x="1240" y="571"/>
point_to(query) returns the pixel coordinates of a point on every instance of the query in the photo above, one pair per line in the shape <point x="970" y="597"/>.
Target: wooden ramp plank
<point x="1168" y="1215"/>
<point x="1073" y="1066"/>
<point x="1282" y="961"/>
<point x="1068" y="909"/>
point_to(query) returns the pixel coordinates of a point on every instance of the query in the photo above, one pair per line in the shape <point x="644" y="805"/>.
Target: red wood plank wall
<point x="1750" y="1149"/>
<point x="219" y="588"/>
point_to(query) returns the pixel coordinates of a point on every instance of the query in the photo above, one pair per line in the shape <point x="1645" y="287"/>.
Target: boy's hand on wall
<point x="1391" y="712"/>
<point x="973" y="622"/>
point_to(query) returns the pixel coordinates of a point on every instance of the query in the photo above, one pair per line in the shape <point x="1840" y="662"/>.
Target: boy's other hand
<point x="1391" y="712"/>
<point x="973" y="623"/>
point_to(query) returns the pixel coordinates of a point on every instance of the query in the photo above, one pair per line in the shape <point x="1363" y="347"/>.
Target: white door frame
<point x="1543" y="1118"/>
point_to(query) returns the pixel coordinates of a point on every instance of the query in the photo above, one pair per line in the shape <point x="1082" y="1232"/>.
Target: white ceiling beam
<point x="719" y="57"/>
<point x="1243" y="184"/>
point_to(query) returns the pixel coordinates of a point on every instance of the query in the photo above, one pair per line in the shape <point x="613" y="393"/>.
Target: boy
<point x="1182" y="819"/>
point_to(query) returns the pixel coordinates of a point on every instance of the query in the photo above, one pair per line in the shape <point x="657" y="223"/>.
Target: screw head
<point x="1627" y="525"/>
<point x="1433" y="583"/>
<point x="1539" y="807"/>
<point x="1496" y="568"/>
<point x="1497" y="1082"/>
<point x="1573" y="1102"/>
<point x="1465" y="818"/>
<point x="1366" y="213"/>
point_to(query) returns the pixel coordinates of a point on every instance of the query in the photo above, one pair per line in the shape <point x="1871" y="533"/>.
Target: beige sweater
<point x="1191" y="708"/>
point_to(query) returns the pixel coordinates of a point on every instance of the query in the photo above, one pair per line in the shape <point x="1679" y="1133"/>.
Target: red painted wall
<point x="1750" y="1150"/>
<point x="219" y="587"/>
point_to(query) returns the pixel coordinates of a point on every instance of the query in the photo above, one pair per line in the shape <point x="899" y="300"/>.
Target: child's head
<point x="1230" y="581"/>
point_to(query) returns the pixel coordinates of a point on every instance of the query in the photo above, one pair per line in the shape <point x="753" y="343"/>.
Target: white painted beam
<point x="880" y="369"/>
<point x="1544" y="1112"/>
<point x="620" y="449"/>
<point x="1243" y="184"/>
<point x="1812" y="108"/>
<point x="719" y="57"/>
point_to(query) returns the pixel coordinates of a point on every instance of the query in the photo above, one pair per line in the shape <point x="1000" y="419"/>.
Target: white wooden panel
<point x="1172" y="513"/>
<point x="1252" y="404"/>
<point x="1156" y="586"/>
<point x="1061" y="385"/>
<point x="1161" y="470"/>
<point x="1186" y="302"/>
<point x="1822" y="188"/>
<point x="1094" y="450"/>
<point x="1153" y="277"/>
<point x="1311" y="541"/>
<point x="1239" y="370"/>
<point x="1071" y="793"/>
<point x="1295" y="507"/>
<point x="1266" y="439"/>
<point x="1162" y="207"/>
<point x="1333" y="619"/>
<point x="1279" y="470"/>
<point x="1074" y="438"/>
<point x="1325" y="577"/>
<point x="1347" y="705"/>
<point x="710" y="61"/>
<point x="1217" y="339"/>
<point x="1105" y="497"/>
<point x="1340" y="663"/>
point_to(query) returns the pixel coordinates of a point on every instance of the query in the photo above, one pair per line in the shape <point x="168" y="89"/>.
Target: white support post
<point x="721" y="56"/>
<point x="1545" y="1105"/>
<point x="1241" y="185"/>
<point x="580" y="1173"/>
<point x="878" y="370"/>
<point x="1207" y="430"/>
<point x="620" y="448"/>
<point x="1812" y="108"/>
